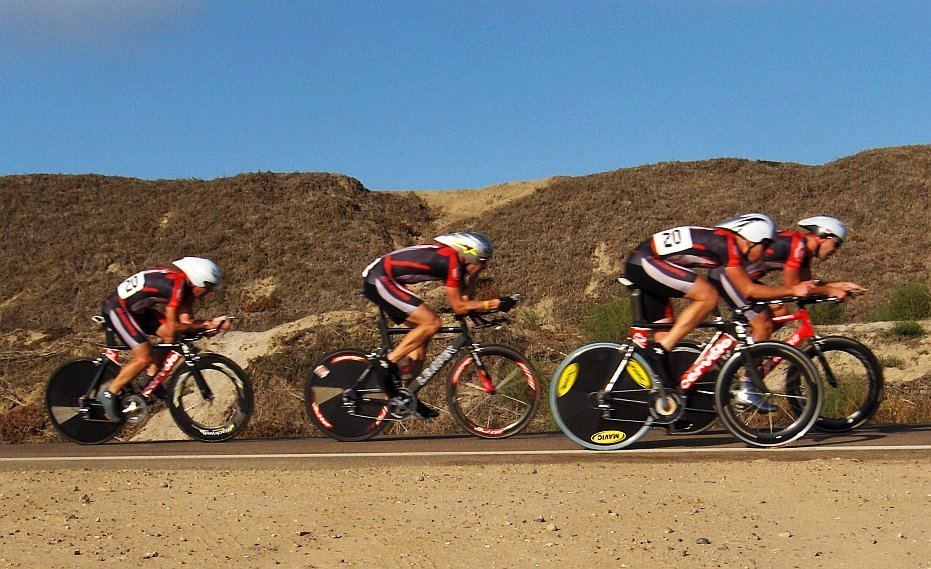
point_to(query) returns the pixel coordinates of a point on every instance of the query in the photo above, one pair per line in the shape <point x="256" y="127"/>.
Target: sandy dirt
<point x="456" y="205"/>
<point x="762" y="513"/>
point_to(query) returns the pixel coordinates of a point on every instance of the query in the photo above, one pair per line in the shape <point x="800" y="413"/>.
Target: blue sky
<point x="410" y="94"/>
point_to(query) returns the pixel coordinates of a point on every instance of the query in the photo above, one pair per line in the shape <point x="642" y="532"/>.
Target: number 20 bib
<point x="672" y="241"/>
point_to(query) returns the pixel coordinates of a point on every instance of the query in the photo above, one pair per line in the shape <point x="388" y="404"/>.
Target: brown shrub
<point x="22" y="422"/>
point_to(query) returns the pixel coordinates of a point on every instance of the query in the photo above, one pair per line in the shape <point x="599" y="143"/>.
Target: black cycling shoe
<point x="424" y="411"/>
<point x="659" y="361"/>
<point x="389" y="377"/>
<point x="112" y="405"/>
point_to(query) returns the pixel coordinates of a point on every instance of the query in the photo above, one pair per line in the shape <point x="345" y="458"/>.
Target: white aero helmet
<point x="474" y="247"/>
<point x="200" y="271"/>
<point x="825" y="226"/>
<point x="754" y="227"/>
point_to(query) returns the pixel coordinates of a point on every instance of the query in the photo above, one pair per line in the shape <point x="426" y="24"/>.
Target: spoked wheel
<point x="324" y="401"/>
<point x="67" y="385"/>
<point x="496" y="396"/>
<point x="590" y="415"/>
<point x="787" y="399"/>
<point x="853" y="383"/>
<point x="228" y="410"/>
<point x="699" y="405"/>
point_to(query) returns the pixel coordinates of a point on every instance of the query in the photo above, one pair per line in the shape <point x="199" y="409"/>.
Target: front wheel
<point x="325" y="391"/>
<point x="493" y="392"/>
<point x="772" y="410"/>
<point x="226" y="411"/>
<point x="590" y="409"/>
<point x="66" y="387"/>
<point x="853" y="383"/>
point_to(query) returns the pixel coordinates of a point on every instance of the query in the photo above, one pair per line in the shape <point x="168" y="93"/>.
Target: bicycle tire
<point x="506" y="410"/>
<point x="859" y="378"/>
<point x="793" y="388"/>
<point x="225" y="415"/>
<point x="65" y="386"/>
<point x="573" y="400"/>
<point x="323" y="397"/>
<point x="700" y="412"/>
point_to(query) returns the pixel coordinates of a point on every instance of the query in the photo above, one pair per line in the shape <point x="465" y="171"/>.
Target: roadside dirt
<point x="761" y="513"/>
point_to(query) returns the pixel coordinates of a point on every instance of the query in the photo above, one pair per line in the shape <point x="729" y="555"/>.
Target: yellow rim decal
<point x="638" y="374"/>
<point x="608" y="437"/>
<point x="567" y="379"/>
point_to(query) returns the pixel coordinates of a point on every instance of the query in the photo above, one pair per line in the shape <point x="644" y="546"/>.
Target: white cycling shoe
<point x="748" y="396"/>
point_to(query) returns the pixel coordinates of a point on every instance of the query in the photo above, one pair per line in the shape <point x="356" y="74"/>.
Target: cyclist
<point x="131" y="312"/>
<point x="662" y="267"/>
<point x="792" y="253"/>
<point x="455" y="259"/>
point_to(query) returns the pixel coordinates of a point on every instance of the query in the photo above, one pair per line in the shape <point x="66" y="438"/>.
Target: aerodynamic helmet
<point x="201" y="272"/>
<point x="754" y="227"/>
<point x="474" y="247"/>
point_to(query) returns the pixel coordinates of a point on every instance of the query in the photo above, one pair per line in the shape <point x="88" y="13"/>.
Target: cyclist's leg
<point x="424" y="323"/>
<point x="704" y="299"/>
<point x="133" y="335"/>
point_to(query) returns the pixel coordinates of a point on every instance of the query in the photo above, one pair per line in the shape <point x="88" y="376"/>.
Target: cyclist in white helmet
<point x="792" y="253"/>
<point x="133" y="313"/>
<point x="455" y="259"/>
<point x="662" y="267"/>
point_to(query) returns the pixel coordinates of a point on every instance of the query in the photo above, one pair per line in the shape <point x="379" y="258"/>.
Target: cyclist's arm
<point x="840" y="289"/>
<point x="750" y="289"/>
<point x="181" y="319"/>
<point x="462" y="305"/>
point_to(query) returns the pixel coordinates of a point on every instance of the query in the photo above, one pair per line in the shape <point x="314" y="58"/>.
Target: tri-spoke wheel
<point x="493" y="392"/>
<point x="225" y="410"/>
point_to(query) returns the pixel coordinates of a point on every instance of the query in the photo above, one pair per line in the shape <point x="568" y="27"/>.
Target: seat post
<point x="383" y="329"/>
<point x="635" y="304"/>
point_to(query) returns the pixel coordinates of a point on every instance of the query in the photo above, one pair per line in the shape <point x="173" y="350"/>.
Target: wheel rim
<point x="511" y="403"/>
<point x="324" y="398"/>
<point x="222" y="414"/>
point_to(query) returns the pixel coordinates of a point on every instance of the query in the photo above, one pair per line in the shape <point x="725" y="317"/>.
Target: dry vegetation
<point x="295" y="244"/>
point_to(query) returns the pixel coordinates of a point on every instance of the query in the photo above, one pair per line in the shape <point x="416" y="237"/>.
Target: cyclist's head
<point x="473" y="247"/>
<point x="825" y="226"/>
<point x="754" y="227"/>
<point x="201" y="272"/>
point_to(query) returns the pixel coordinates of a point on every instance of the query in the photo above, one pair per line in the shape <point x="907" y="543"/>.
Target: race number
<point x="131" y="286"/>
<point x="672" y="240"/>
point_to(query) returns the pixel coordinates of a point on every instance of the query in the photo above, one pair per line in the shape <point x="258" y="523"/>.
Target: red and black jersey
<point x="152" y="287"/>
<point x="695" y="247"/>
<point x="787" y="251"/>
<point x="418" y="264"/>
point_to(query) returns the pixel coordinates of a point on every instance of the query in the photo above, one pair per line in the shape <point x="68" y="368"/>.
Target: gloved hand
<point x="507" y="303"/>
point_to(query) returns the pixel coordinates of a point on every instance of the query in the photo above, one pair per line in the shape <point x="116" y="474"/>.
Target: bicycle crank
<point x="135" y="409"/>
<point x="668" y="408"/>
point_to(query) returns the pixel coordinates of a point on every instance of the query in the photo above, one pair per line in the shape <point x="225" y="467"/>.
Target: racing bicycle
<point x="492" y="391"/>
<point x="605" y="396"/>
<point x="208" y="396"/>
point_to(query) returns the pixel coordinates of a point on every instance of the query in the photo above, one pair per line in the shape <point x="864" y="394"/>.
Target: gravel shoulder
<point x="754" y="513"/>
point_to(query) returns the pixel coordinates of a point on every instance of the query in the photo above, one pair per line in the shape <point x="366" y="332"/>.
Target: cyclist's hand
<point x="220" y="323"/>
<point x="506" y="303"/>
<point x="803" y="289"/>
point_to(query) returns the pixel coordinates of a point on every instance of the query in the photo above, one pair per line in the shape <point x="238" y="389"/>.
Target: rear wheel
<point x="789" y="396"/>
<point x="593" y="417"/>
<point x="853" y="383"/>
<point x="65" y="387"/>
<point x="496" y="396"/>
<point x="325" y="386"/>
<point x="229" y="408"/>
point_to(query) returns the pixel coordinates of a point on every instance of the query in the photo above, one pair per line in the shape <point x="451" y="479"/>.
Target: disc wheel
<point x="854" y="395"/>
<point x="791" y="394"/>
<point x="496" y="396"/>
<point x="229" y="408"/>
<point x="579" y="387"/>
<point x="65" y="387"/>
<point x="324" y="387"/>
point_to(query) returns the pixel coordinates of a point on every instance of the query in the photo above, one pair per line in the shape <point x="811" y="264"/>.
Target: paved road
<point x="872" y="442"/>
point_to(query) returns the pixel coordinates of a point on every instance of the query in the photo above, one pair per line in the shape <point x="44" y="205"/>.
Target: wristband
<point x="486" y="305"/>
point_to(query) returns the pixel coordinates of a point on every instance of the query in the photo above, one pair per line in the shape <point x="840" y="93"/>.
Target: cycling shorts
<point x="132" y="328"/>
<point x="658" y="281"/>
<point x="397" y="301"/>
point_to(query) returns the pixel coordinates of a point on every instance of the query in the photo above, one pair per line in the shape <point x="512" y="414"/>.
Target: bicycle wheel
<point x="791" y="393"/>
<point x="323" y="397"/>
<point x="853" y="383"/>
<point x="497" y="398"/>
<point x="699" y="404"/>
<point x="223" y="416"/>
<point x="578" y="388"/>
<point x="65" y="387"/>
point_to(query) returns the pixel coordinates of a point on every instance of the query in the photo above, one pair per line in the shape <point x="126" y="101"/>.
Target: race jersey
<point x="694" y="247"/>
<point x="152" y="287"/>
<point x="787" y="251"/>
<point x="418" y="264"/>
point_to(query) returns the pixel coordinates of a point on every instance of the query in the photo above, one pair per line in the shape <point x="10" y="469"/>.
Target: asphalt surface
<point x="906" y="442"/>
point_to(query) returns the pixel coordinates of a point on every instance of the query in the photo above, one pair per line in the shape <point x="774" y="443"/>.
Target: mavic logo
<point x="608" y="437"/>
